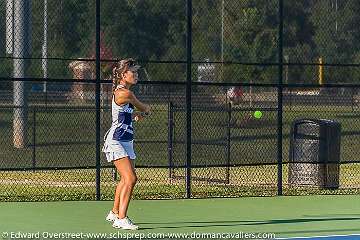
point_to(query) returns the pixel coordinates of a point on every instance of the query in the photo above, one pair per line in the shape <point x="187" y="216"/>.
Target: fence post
<point x="34" y="140"/>
<point x="170" y="139"/>
<point x="97" y="101"/>
<point x="46" y="98"/>
<point x="280" y="99"/>
<point x="352" y="99"/>
<point x="114" y="173"/>
<point x="228" y="145"/>
<point x="21" y="53"/>
<point x="188" y="97"/>
<point x="290" y="91"/>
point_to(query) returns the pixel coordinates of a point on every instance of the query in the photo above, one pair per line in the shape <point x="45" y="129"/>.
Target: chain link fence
<point x="207" y="67"/>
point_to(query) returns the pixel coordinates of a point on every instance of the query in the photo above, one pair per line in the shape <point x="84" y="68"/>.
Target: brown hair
<point x="121" y="67"/>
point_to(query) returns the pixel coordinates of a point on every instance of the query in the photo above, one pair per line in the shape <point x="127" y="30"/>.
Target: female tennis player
<point x="118" y="146"/>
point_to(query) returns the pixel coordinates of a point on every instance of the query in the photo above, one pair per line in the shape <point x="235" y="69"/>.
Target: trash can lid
<point x="315" y="121"/>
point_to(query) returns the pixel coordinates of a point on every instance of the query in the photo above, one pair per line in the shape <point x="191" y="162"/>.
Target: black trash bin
<point x="315" y="153"/>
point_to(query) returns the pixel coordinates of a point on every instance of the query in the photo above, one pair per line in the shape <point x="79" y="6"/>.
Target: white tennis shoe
<point x="111" y="217"/>
<point x="125" y="223"/>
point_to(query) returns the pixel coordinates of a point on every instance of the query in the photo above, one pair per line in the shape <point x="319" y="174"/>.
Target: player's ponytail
<point x="114" y="78"/>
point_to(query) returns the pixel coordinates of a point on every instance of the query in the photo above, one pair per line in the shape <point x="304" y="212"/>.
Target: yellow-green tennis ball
<point x="258" y="114"/>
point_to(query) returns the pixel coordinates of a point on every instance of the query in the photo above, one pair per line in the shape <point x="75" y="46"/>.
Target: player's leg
<point x="126" y="169"/>
<point x="117" y="196"/>
<point x="113" y="214"/>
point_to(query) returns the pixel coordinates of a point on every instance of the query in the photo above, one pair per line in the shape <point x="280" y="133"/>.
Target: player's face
<point x="131" y="77"/>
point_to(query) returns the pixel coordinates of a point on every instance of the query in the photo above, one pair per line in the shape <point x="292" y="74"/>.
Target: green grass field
<point x="156" y="183"/>
<point x="67" y="139"/>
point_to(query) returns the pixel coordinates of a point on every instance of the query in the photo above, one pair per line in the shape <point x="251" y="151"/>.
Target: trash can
<point x="314" y="153"/>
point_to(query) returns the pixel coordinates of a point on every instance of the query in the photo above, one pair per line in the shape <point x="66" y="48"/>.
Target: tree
<point x="144" y="30"/>
<point x="298" y="41"/>
<point x="336" y="37"/>
<point x="251" y="37"/>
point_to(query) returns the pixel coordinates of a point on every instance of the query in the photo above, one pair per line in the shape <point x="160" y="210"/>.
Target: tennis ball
<point x="258" y="114"/>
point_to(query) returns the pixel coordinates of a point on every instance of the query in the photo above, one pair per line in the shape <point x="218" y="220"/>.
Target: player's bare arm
<point x="123" y="96"/>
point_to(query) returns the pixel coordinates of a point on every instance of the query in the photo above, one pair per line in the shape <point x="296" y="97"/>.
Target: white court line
<point x="326" y="236"/>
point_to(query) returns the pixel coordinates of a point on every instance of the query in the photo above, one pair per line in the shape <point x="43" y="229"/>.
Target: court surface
<point x="287" y="217"/>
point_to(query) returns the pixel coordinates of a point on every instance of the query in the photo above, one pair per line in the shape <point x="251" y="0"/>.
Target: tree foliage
<point x="241" y="32"/>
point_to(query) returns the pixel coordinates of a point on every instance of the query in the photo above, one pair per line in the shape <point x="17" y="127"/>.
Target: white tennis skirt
<point x="115" y="150"/>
